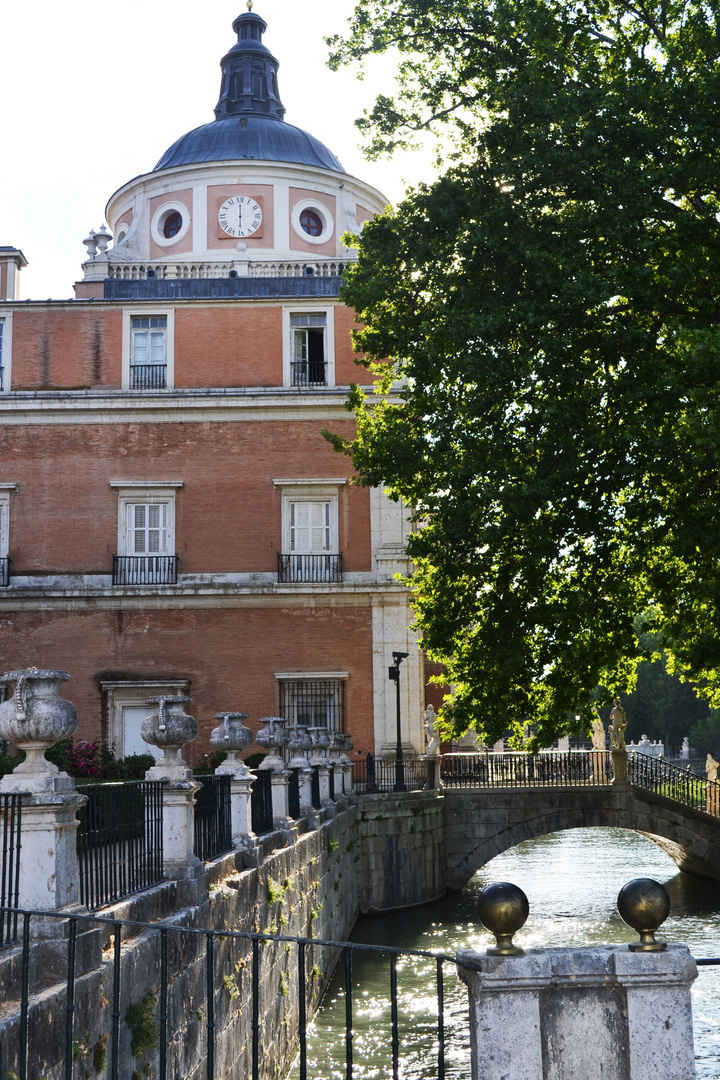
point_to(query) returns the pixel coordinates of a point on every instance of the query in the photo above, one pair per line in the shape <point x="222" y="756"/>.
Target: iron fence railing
<point x="674" y="783"/>
<point x="261" y="809"/>
<point x="145" y="569"/>
<point x="119" y="840"/>
<point x="322" y="569"/>
<point x="372" y="775"/>
<point x="315" y="787"/>
<point x="549" y="769"/>
<point x="294" y="794"/>
<point x="309" y="373"/>
<point x="11" y="823"/>
<point x="148" y="376"/>
<point x="313" y="702"/>
<point x="4" y="573"/>
<point x="212" y="817"/>
<point x="164" y="944"/>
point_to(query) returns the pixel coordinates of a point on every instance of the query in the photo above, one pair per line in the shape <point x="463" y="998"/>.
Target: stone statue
<point x="618" y="718"/>
<point x="598" y="732"/>
<point x="433" y="739"/>
<point x="711" y="767"/>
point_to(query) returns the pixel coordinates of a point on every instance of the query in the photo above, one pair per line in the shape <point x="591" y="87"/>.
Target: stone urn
<point x="300" y="743"/>
<point x="274" y="737"/>
<point x="347" y="746"/>
<point x="337" y="743"/>
<point x="169" y="728"/>
<point x="320" y="744"/>
<point x="35" y="717"/>
<point x="231" y="736"/>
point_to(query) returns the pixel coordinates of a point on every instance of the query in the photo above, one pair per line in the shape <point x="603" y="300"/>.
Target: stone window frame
<point x="316" y="490"/>
<point x="308" y="307"/>
<point x="145" y="311"/>
<point x="327" y="679"/>
<point x="119" y="694"/>
<point x="319" y="208"/>
<point x="6" y="351"/>
<point x="171" y="206"/>
<point x="152" y="491"/>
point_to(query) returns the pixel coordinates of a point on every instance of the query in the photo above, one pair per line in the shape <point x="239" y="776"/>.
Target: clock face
<point x="240" y="216"/>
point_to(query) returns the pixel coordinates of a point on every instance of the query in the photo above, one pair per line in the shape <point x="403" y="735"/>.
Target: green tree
<point x="544" y="322"/>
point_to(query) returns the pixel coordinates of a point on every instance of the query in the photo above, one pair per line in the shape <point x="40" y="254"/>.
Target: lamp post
<point x="394" y="676"/>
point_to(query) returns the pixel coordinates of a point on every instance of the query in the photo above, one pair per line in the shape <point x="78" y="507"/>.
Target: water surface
<point x="572" y="880"/>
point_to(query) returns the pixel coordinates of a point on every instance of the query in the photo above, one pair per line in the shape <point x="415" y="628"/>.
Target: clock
<point x="240" y="216"/>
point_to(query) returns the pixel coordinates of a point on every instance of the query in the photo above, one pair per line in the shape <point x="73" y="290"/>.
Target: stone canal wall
<point x="401" y="840"/>
<point x="309" y="889"/>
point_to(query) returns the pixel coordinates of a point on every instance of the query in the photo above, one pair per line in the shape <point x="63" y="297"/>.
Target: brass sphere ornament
<point x="503" y="908"/>
<point x="645" y="905"/>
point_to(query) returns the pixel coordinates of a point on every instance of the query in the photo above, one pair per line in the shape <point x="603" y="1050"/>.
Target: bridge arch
<point x="483" y="823"/>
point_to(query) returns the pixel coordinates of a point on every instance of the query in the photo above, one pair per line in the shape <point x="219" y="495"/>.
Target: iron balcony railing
<point x="261" y="809"/>
<point x="119" y="840"/>
<point x="145" y="569"/>
<point x="550" y="769"/>
<point x="309" y="373"/>
<point x="148" y="376"/>
<point x="674" y="783"/>
<point x="317" y="569"/>
<point x="11" y="824"/>
<point x="4" y="572"/>
<point x="212" y="817"/>
<point x="372" y="774"/>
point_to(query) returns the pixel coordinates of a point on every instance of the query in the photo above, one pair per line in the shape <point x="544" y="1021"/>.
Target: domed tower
<point x="235" y="204"/>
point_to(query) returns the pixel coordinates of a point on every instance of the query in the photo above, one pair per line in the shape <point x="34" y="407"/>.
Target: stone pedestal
<point x="241" y="782"/>
<point x="560" y="1014"/>
<point x="433" y="771"/>
<point x="324" y="782"/>
<point x="620" y="773"/>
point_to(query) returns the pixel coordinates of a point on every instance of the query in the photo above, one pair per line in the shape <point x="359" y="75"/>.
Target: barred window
<point x="313" y="702"/>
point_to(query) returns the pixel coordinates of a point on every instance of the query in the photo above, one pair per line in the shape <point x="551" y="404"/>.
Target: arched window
<point x="311" y="223"/>
<point x="172" y="225"/>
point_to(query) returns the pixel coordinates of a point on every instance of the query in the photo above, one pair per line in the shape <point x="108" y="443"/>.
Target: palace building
<point x="171" y="518"/>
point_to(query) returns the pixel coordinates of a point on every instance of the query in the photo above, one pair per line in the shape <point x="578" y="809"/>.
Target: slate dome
<point x="249" y="137"/>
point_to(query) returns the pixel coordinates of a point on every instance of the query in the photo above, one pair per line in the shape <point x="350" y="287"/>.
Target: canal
<point x="572" y="880"/>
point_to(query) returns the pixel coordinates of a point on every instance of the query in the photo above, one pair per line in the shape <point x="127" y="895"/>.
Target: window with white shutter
<point x="2" y="367"/>
<point x="146" y="534"/>
<point x="148" y="347"/>
<point x="308" y="347"/>
<point x="310" y="527"/>
<point x="4" y="525"/>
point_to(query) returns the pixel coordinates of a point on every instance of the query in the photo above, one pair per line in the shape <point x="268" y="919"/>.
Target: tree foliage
<point x="544" y="320"/>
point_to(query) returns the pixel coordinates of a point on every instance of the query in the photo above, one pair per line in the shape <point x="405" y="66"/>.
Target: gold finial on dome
<point x="249" y="5"/>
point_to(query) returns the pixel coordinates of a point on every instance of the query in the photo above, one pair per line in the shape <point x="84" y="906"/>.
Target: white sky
<point x="94" y="91"/>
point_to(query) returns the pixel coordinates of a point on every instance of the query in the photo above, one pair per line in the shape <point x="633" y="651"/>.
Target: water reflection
<point x="572" y="880"/>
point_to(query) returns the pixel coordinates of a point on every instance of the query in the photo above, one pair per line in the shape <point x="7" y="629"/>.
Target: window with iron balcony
<point x="309" y="349"/>
<point x="146" y="534"/>
<point x="310" y="551"/>
<point x="148" y="352"/>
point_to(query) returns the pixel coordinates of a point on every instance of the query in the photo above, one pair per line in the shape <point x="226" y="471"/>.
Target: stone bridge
<point x="483" y="822"/>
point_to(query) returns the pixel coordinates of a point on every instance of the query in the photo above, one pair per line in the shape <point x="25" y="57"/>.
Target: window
<point x="172" y="225"/>
<point x="146" y="535"/>
<point x="309" y="353"/>
<point x="311" y="223"/>
<point x="313" y="702"/>
<point x="148" y="340"/>
<point x="4" y="538"/>
<point x="127" y="708"/>
<point x="310" y="547"/>
<point x="5" y="352"/>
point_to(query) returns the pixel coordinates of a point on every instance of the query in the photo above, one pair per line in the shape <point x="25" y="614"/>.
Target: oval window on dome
<point x="172" y="225"/>
<point x="311" y="223"/>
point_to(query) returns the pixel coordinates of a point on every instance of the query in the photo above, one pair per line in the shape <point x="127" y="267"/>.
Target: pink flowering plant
<point x="84" y="760"/>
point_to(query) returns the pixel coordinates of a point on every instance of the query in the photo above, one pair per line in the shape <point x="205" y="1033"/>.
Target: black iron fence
<point x="261" y="809"/>
<point x="373" y="774"/>
<point x="148" y="376"/>
<point x="212" y="817"/>
<point x="550" y="769"/>
<point x="119" y="840"/>
<point x="675" y="783"/>
<point x="294" y="569"/>
<point x="255" y="964"/>
<point x="145" y="569"/>
<point x="315" y="787"/>
<point x="294" y="794"/>
<point x="309" y="373"/>
<point x="4" y="572"/>
<point x="11" y="822"/>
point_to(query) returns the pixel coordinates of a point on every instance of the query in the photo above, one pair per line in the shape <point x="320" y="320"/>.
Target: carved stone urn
<point x="169" y="728"/>
<point x="231" y="736"/>
<point x="274" y="737"/>
<point x="320" y="744"/>
<point x="300" y="743"/>
<point x="35" y="717"/>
